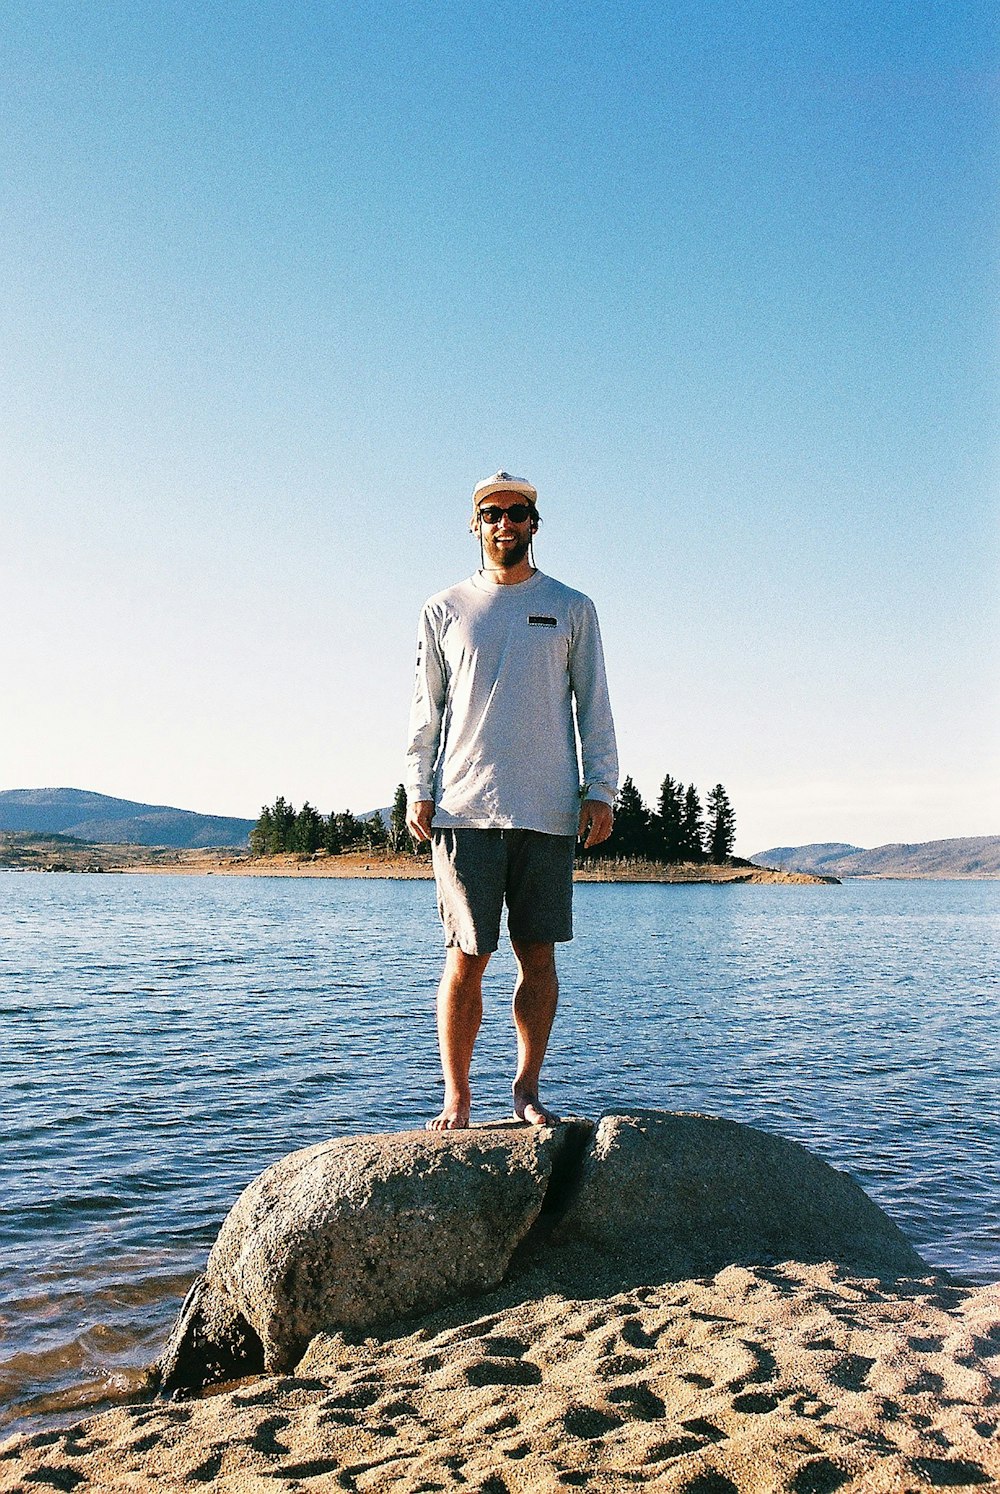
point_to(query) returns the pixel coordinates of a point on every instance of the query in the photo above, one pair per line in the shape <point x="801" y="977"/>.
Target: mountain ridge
<point x="86" y="815"/>
<point x="959" y="856"/>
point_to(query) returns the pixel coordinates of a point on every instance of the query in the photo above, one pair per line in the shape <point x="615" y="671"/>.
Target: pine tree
<point x="307" y="833"/>
<point x="373" y="832"/>
<point x="282" y="827"/>
<point x="630" y="836"/>
<point x="692" y="827"/>
<point x="721" y="830"/>
<point x="349" y="829"/>
<point x="262" y="833"/>
<point x="666" y="827"/>
<point x="399" y="837"/>
<point x="332" y="838"/>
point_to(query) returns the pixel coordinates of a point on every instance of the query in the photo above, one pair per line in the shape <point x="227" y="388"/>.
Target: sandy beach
<point x="397" y="1352"/>
<point x="791" y="1378"/>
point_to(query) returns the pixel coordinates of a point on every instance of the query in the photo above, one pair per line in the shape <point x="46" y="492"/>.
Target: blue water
<point x="164" y="1038"/>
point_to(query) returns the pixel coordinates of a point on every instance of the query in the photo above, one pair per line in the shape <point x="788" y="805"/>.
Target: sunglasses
<point x="517" y="513"/>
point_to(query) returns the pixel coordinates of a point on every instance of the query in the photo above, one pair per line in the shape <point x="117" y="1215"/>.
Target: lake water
<point x="164" y="1038"/>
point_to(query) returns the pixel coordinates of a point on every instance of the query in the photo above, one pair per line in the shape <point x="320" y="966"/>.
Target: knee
<point x="536" y="960"/>
<point x="464" y="969"/>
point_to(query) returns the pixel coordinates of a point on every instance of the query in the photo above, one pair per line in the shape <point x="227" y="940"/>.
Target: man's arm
<point x="426" y="713"/>
<point x="598" y="749"/>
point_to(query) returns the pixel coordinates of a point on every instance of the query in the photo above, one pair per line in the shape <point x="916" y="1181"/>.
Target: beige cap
<point x="502" y="482"/>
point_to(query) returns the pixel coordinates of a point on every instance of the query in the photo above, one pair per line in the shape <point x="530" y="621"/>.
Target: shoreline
<point x="349" y="865"/>
<point x="59" y="853"/>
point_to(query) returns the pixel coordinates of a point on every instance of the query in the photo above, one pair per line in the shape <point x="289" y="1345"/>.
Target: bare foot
<point x="528" y="1107"/>
<point x="454" y="1116"/>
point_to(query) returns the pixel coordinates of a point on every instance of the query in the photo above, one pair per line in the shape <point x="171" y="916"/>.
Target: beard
<point x="506" y="556"/>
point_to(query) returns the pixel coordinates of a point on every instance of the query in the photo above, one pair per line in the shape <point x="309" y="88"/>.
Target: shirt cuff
<point x="599" y="792"/>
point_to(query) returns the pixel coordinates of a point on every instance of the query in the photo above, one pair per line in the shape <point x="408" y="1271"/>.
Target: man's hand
<point x="596" y="822"/>
<point x="418" y="818"/>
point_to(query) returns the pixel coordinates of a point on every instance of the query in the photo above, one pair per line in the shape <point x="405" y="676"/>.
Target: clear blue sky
<point x="282" y="282"/>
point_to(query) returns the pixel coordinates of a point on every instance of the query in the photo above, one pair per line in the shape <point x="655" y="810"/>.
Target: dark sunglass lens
<point x="517" y="513"/>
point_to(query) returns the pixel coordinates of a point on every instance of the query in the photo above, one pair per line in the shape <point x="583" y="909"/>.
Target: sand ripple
<point x="786" y="1378"/>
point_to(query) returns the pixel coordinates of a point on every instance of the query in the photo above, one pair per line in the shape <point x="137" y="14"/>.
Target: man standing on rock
<point x="493" y="780"/>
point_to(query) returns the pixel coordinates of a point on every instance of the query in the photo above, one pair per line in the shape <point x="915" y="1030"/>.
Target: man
<point x="493" y="780"/>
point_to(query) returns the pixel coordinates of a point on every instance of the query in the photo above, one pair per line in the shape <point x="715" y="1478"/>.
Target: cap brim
<point x="513" y="485"/>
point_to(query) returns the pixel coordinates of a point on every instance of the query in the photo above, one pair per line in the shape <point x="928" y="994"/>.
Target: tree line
<point x="677" y="829"/>
<point x="281" y="828"/>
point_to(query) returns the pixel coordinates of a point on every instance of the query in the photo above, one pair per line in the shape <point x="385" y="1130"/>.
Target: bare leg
<point x="459" y="1013"/>
<point x="535" y="997"/>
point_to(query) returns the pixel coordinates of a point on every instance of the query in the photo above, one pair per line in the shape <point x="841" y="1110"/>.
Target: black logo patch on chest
<point x="536" y="621"/>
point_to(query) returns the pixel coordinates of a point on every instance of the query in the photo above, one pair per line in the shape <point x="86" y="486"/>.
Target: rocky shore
<point x="410" y="868"/>
<point x="659" y="1300"/>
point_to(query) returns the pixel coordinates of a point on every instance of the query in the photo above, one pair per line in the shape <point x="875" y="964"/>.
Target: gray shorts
<point x="478" y="870"/>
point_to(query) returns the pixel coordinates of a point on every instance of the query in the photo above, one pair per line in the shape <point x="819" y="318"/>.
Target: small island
<point x="677" y="840"/>
<point x="62" y="853"/>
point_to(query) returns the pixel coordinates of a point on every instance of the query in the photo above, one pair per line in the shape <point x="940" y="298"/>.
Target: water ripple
<point x="164" y="1039"/>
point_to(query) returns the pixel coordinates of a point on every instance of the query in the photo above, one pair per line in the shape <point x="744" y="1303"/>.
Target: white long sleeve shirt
<point x="492" y="739"/>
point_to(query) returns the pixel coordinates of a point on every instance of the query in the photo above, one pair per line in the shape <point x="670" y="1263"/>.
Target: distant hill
<point x="973" y="856"/>
<point x="813" y="858"/>
<point x="102" y="819"/>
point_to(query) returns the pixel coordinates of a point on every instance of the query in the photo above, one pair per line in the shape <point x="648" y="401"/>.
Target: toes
<point x="447" y="1122"/>
<point x="534" y="1113"/>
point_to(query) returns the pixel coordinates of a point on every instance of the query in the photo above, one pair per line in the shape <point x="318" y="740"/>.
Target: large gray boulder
<point x="360" y="1231"/>
<point x="678" y="1195"/>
